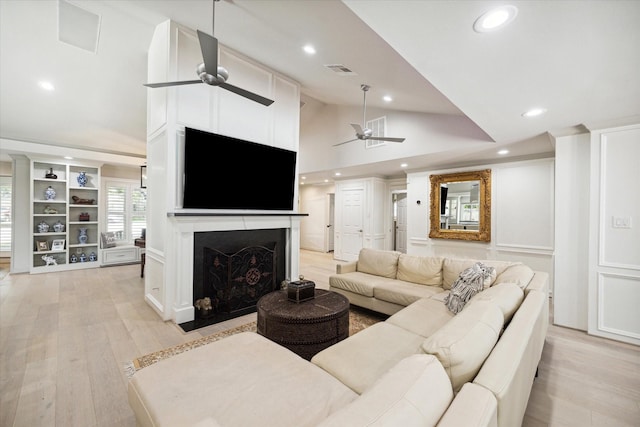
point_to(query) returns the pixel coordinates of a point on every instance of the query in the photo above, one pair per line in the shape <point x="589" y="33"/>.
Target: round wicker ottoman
<point x="306" y="327"/>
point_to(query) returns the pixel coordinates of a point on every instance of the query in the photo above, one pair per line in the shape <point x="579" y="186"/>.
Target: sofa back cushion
<point x="377" y="262"/>
<point x="465" y="341"/>
<point x="519" y="274"/>
<point x="423" y="270"/>
<point x="507" y="296"/>
<point x="415" y="392"/>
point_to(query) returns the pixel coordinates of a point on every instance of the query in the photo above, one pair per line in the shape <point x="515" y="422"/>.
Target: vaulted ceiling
<point x="578" y="59"/>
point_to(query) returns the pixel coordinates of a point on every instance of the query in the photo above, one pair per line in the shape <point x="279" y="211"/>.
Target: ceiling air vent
<point x="378" y="127"/>
<point x="340" y="69"/>
<point x="78" y="27"/>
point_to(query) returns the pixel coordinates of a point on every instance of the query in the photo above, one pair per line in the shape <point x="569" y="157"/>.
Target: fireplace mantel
<point x="208" y="213"/>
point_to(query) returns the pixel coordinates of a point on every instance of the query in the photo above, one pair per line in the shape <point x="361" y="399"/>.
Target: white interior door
<point x="401" y="223"/>
<point x="352" y="223"/>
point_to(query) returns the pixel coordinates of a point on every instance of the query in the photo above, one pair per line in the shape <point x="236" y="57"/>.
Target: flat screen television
<point x="226" y="173"/>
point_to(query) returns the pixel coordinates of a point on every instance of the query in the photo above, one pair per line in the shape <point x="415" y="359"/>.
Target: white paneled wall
<point x="614" y="252"/>
<point x="174" y="54"/>
<point x="597" y="235"/>
<point x="522" y="216"/>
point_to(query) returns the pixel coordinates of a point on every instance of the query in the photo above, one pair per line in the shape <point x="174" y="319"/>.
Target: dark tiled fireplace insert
<point x="234" y="269"/>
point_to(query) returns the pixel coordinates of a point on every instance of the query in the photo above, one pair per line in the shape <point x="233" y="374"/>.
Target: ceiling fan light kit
<point x="363" y="133"/>
<point x="209" y="49"/>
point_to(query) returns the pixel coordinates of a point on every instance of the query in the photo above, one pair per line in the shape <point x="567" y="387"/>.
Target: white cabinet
<point x="120" y="255"/>
<point x="64" y="216"/>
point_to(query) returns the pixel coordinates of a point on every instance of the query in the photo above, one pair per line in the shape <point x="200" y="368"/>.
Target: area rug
<point x="359" y="319"/>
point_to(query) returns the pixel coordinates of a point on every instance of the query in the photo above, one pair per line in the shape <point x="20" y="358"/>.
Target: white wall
<point x="598" y="257"/>
<point x="522" y="216"/>
<point x="614" y="252"/>
<point x="173" y="54"/>
<point x="570" y="297"/>
<point x="313" y="201"/>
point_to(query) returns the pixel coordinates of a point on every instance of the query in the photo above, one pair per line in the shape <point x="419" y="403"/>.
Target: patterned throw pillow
<point x="469" y="283"/>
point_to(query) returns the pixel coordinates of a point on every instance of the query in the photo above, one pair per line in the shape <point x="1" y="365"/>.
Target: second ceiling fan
<point x="362" y="132"/>
<point x="210" y="72"/>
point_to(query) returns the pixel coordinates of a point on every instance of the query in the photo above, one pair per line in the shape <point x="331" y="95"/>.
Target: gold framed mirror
<point x="461" y="206"/>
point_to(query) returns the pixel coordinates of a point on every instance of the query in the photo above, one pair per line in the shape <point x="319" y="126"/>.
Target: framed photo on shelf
<point x="43" y="246"/>
<point x="57" y="245"/>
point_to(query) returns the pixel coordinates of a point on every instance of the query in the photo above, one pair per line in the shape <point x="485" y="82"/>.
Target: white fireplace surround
<point x="184" y="223"/>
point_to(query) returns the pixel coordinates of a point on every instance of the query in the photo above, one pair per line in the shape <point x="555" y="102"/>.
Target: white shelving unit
<point x="74" y="206"/>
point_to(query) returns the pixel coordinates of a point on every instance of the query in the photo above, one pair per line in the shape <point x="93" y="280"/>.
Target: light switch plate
<point x="621" y="222"/>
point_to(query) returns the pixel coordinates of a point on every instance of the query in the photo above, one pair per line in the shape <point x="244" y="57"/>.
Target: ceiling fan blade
<point x="209" y="49"/>
<point x="358" y="128"/>
<point x="249" y="95"/>
<point x="184" y="82"/>
<point x="346" y="142"/>
<point x="390" y="139"/>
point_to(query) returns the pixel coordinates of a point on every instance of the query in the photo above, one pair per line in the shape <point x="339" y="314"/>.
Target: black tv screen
<point x="221" y="172"/>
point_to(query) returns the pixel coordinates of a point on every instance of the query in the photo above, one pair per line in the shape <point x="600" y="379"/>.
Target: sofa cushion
<point x="402" y="293"/>
<point x="519" y="274"/>
<point x="378" y="262"/>
<point x="215" y="382"/>
<point x="358" y="283"/>
<point x="465" y="341"/>
<point x="364" y="357"/>
<point x="471" y="281"/>
<point x="415" y="392"/>
<point x="423" y="317"/>
<point x="423" y="270"/>
<point x="507" y="296"/>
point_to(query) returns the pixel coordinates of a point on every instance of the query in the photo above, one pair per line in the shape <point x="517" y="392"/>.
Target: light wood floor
<point x="65" y="337"/>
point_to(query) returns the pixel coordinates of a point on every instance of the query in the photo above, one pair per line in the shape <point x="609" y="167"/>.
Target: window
<point x="5" y="215"/>
<point x="126" y="209"/>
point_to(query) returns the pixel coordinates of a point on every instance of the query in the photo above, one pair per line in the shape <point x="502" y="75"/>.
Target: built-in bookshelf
<point x="64" y="209"/>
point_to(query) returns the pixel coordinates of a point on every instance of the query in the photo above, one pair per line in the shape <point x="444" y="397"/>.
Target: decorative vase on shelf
<point x="50" y="174"/>
<point x="74" y="258"/>
<point x="83" y="257"/>
<point x="82" y="179"/>
<point x="58" y="227"/>
<point x="82" y="236"/>
<point x="43" y="227"/>
<point x="49" y="193"/>
<point x="93" y="256"/>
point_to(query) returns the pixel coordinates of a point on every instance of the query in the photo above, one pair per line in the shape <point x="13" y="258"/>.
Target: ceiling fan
<point x="365" y="133"/>
<point x="209" y="48"/>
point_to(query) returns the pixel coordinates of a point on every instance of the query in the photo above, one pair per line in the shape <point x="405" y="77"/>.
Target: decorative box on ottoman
<point x="302" y="290"/>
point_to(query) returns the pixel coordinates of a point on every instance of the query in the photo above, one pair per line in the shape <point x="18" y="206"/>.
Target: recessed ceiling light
<point x="338" y="174"/>
<point x="403" y="165"/>
<point x="387" y="98"/>
<point x="534" y="112"/>
<point x="326" y="180"/>
<point x="68" y="157"/>
<point x="309" y="49"/>
<point x="503" y="152"/>
<point x="46" y="85"/>
<point x="495" y="19"/>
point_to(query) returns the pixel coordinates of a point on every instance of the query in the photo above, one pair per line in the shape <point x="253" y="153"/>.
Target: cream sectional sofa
<point x="423" y="366"/>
